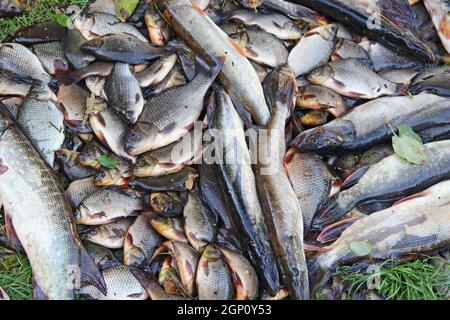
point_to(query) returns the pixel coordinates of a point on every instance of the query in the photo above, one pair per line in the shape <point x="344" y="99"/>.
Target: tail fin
<point x="331" y="212"/>
<point x="318" y="276"/>
<point x="90" y="272"/>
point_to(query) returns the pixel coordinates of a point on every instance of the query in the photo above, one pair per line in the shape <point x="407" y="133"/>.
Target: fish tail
<point x="330" y="212"/>
<point x="318" y="276"/>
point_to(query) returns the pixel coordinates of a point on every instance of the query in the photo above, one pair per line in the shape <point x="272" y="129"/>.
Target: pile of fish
<point x="151" y="121"/>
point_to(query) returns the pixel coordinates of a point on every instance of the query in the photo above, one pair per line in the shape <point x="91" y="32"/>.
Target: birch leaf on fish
<point x="107" y="162"/>
<point x="360" y="248"/>
<point x="125" y="8"/>
<point x="405" y="130"/>
<point x="409" y="149"/>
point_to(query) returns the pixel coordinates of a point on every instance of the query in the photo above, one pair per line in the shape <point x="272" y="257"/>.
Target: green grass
<point x="15" y="273"/>
<point x="417" y="280"/>
<point x="35" y="12"/>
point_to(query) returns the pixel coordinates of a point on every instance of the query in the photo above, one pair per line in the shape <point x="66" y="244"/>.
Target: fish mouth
<point x="140" y="139"/>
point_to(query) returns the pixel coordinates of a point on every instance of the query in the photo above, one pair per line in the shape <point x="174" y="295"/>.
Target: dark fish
<point x="180" y="181"/>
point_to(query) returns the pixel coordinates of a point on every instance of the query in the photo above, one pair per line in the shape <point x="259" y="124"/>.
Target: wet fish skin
<point x="439" y="11"/>
<point x="11" y="88"/>
<point x="72" y="43"/>
<point x="68" y="161"/>
<point x="96" y="85"/>
<point x="213" y="279"/>
<point x="313" y="49"/>
<point x="157" y="71"/>
<point x="54" y="245"/>
<point x="239" y="180"/>
<point x="347" y="49"/>
<point x="365" y="126"/>
<point x="169" y="203"/>
<point x="122" y="48"/>
<point x="216" y="47"/>
<point x="90" y="154"/>
<point x="406" y="230"/>
<point x="311" y="180"/>
<point x="154" y="290"/>
<point x="118" y="176"/>
<point x="51" y="54"/>
<point x="121" y="284"/>
<point x="171" y="228"/>
<point x="354" y="79"/>
<point x="432" y="80"/>
<point x="390" y="178"/>
<point x="124" y="93"/>
<point x="314" y="118"/>
<point x="110" y="235"/>
<point x="318" y="97"/>
<point x="102" y="256"/>
<point x="169" y="115"/>
<point x="200" y="224"/>
<point x="79" y="189"/>
<point x="168" y="277"/>
<point x="106" y="205"/>
<point x="140" y="242"/>
<point x="74" y="102"/>
<point x="179" y="181"/>
<point x="175" y="78"/>
<point x="158" y="30"/>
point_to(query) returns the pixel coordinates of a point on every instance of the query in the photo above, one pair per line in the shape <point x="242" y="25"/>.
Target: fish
<point x="3" y="295"/>
<point x="12" y="104"/>
<point x="400" y="76"/>
<point x="80" y="189"/>
<point x="200" y="223"/>
<point x="152" y="287"/>
<point x="90" y="154"/>
<point x="240" y="185"/>
<point x="322" y="98"/>
<point x="245" y="279"/>
<point x="212" y="194"/>
<point x="313" y="49"/>
<point x="435" y="133"/>
<point x="382" y="58"/>
<point x="110" y="131"/>
<point x="179" y="181"/>
<point x="390" y="178"/>
<point x="261" y="71"/>
<point x="110" y="235"/>
<point x="118" y="176"/>
<point x="102" y="6"/>
<point x="10" y="8"/>
<point x="213" y="279"/>
<point x="251" y="4"/>
<point x="102" y="256"/>
<point x="171" y="158"/>
<point x="51" y="55"/>
<point x="282" y="211"/>
<point x="158" y="30"/>
<point x="124" y="48"/>
<point x="277" y="24"/>
<point x="40" y="32"/>
<point x="366" y="125"/>
<point x="353" y="79"/>
<point x="169" y="115"/>
<point x="296" y="12"/>
<point x="388" y="22"/>
<point x="96" y="68"/>
<point x="171" y="228"/>
<point x="432" y="80"/>
<point x="68" y="162"/>
<point x="168" y="203"/>
<point x="187" y="260"/>
<point x="121" y="284"/>
<point x="314" y="118"/>
<point x="347" y="49"/>
<point x="54" y="245"/>
<point x="42" y="121"/>
<point x="19" y="64"/>
<point x="74" y="101"/>
<point x="106" y="205"/>
<point x="157" y="71"/>
<point x="407" y="230"/>
<point x="439" y="11"/>
<point x="96" y="84"/>
<point x="72" y="42"/>
<point x="218" y="47"/>
<point x="11" y="88"/>
<point x="96" y="24"/>
<point x="124" y="93"/>
<point x="141" y="240"/>
<point x="175" y="78"/>
<point x="312" y="181"/>
<point x="261" y="47"/>
<point x="168" y="277"/>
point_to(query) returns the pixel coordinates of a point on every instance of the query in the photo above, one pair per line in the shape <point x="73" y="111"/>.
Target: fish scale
<point x="51" y="54"/>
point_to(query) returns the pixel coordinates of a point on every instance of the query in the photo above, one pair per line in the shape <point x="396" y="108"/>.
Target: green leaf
<point x="409" y="149"/>
<point x="107" y="162"/>
<point x="405" y="130"/>
<point x="62" y="18"/>
<point x="125" y="8"/>
<point x="13" y="27"/>
<point x="360" y="248"/>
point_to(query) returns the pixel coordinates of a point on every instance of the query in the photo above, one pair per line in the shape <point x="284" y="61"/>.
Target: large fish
<point x="415" y="226"/>
<point x="367" y="124"/>
<point x="278" y="200"/>
<point x="389" y="179"/>
<point x="216" y="45"/>
<point x="239" y="181"/>
<point x="387" y="21"/>
<point x="169" y="115"/>
<point x="43" y="220"/>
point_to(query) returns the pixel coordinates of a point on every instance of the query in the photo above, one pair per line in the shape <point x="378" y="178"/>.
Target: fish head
<point x="140" y="139"/>
<point x="144" y="166"/>
<point x="13" y="7"/>
<point x="81" y="213"/>
<point x="107" y="177"/>
<point x="321" y="74"/>
<point x="128" y="112"/>
<point x="328" y="32"/>
<point x="84" y="23"/>
<point x="251" y="4"/>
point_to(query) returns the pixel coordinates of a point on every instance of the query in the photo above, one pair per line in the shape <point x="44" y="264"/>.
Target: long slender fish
<point x="390" y="178"/>
<point x="367" y="124"/>
<point x="239" y="181"/>
<point x="416" y="226"/>
<point x="54" y="245"/>
<point x="278" y="200"/>
<point x="216" y="45"/>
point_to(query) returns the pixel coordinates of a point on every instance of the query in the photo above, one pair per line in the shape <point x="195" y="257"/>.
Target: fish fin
<point x="90" y="272"/>
<point x="200" y="10"/>
<point x="318" y="276"/>
<point x="336" y="186"/>
<point x="237" y="47"/>
<point x="398" y="13"/>
<point x="330" y="212"/>
<point x="314" y="248"/>
<point x="11" y="233"/>
<point x="333" y="231"/>
<point x="353" y="179"/>
<point x="3" y="168"/>
<point x="38" y="293"/>
<point x="411" y="197"/>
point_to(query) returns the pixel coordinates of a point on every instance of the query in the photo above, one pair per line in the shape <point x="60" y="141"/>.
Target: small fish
<point x="179" y="181"/>
<point x="168" y="277"/>
<point x="353" y="79"/>
<point x="157" y="71"/>
<point x="154" y="290"/>
<point x="318" y="97"/>
<point x="51" y="54"/>
<point x="12" y="88"/>
<point x="90" y="154"/>
<point x="171" y="228"/>
<point x="347" y="49"/>
<point x="314" y="118"/>
<point x="74" y="101"/>
<point x="313" y="49"/>
<point x="72" y="43"/>
<point x="80" y="189"/>
<point x="118" y="176"/>
<point x="102" y="256"/>
<point x="158" y="30"/>
<point x="68" y="161"/>
<point x="168" y="203"/>
<point x="96" y="85"/>
<point x="107" y="205"/>
<point x="213" y="279"/>
<point x="432" y="80"/>
<point x="110" y="235"/>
